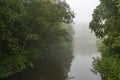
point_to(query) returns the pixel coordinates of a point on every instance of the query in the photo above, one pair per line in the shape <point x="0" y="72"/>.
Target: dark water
<point x="53" y="66"/>
<point x="66" y="63"/>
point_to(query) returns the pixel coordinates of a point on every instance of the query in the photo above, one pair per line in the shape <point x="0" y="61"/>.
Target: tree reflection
<point x="53" y="66"/>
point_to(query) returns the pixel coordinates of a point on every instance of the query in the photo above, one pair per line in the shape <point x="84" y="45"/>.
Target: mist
<point x="83" y="9"/>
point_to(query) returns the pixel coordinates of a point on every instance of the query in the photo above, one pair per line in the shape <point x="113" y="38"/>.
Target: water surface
<point x="84" y="47"/>
<point x="66" y="63"/>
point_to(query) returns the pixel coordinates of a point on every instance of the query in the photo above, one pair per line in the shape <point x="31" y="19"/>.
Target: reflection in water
<point x="84" y="47"/>
<point x="54" y="66"/>
<point x="58" y="63"/>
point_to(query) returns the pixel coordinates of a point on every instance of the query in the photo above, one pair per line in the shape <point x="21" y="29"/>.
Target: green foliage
<point x="106" y="25"/>
<point x="27" y="30"/>
<point x="108" y="66"/>
<point x="105" y="19"/>
<point x="12" y="64"/>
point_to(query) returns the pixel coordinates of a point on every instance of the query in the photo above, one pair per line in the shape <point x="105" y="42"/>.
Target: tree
<point x="27" y="27"/>
<point x="106" y="25"/>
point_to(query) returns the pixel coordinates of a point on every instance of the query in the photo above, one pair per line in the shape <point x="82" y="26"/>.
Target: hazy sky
<point x="83" y="9"/>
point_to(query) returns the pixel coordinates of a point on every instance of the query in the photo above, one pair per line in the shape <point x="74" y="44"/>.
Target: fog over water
<point x="84" y="43"/>
<point x="84" y="40"/>
<point x="84" y="49"/>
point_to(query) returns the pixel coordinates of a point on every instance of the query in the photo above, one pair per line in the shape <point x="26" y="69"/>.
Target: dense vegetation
<point x="106" y="25"/>
<point x="27" y="30"/>
<point x="54" y="64"/>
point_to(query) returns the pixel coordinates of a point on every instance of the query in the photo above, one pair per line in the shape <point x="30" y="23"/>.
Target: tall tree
<point x="28" y="27"/>
<point x="106" y="25"/>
